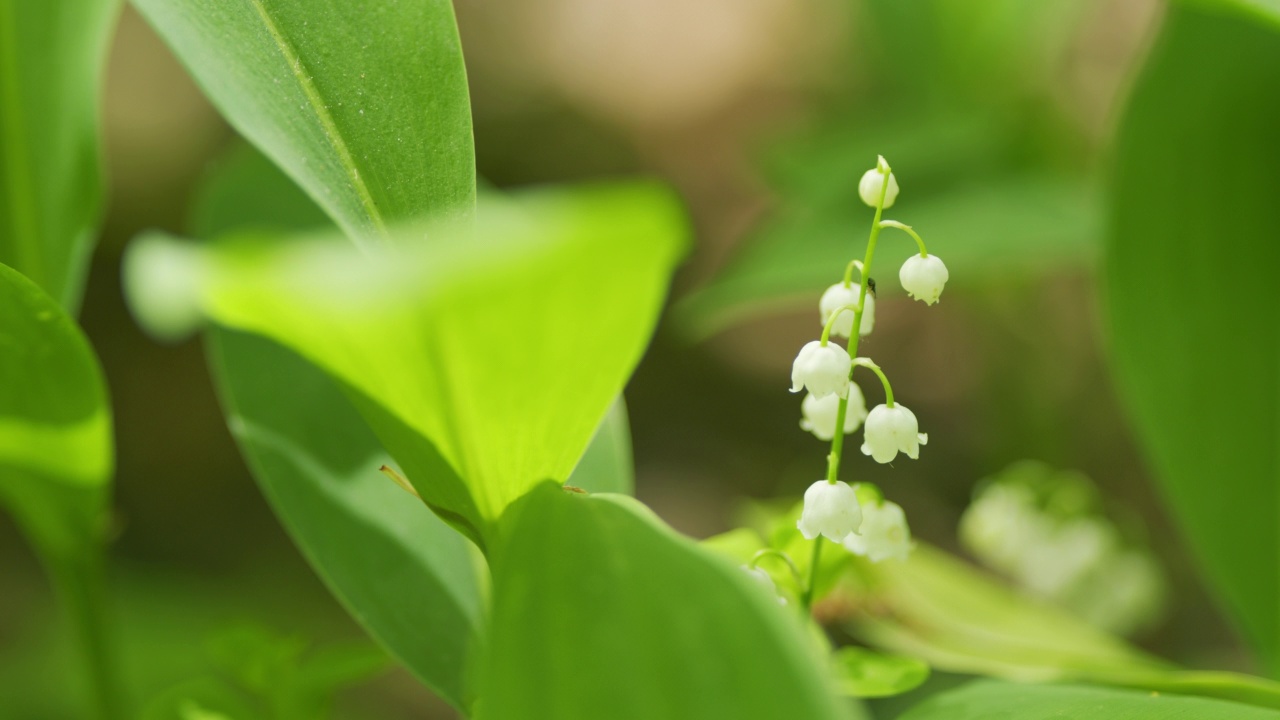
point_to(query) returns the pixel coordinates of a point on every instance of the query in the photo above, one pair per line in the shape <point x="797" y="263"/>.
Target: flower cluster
<point x="1041" y="528"/>
<point x="858" y="516"/>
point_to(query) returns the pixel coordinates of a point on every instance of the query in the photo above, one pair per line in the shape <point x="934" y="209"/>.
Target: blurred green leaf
<point x="991" y="700"/>
<point x="607" y="465"/>
<point x="1194" y="305"/>
<point x="959" y="619"/>
<point x="475" y="419"/>
<point x="866" y="673"/>
<point x="363" y="103"/>
<point x="52" y="55"/>
<point x="56" y="458"/>
<point x="404" y="574"/>
<point x="1260" y="10"/>
<point x="601" y="611"/>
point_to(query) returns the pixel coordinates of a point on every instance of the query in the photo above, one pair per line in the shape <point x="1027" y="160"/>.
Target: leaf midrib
<point x="327" y="124"/>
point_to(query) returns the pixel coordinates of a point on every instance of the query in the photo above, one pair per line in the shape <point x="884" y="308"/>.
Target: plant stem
<point x="807" y="600"/>
<point x="884" y="381"/>
<point x="837" y="439"/>
<point x="907" y="229"/>
<point x="81" y="584"/>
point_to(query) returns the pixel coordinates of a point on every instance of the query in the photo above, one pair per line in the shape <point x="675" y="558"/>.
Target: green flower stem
<point x="848" y="271"/>
<point x="831" y="321"/>
<point x="907" y="229"/>
<point x="81" y="585"/>
<point x="868" y="364"/>
<point x="772" y="552"/>
<point x="837" y="440"/>
<point x="807" y="599"/>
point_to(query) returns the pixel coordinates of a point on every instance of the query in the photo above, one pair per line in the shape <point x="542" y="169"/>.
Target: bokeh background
<point x="996" y="115"/>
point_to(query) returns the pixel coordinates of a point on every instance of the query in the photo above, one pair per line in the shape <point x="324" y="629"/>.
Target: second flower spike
<point x="891" y="430"/>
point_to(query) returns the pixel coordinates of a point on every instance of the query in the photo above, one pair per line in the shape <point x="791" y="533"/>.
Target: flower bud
<point x="824" y="369"/>
<point x="923" y="276"/>
<point x="830" y="510"/>
<point x="890" y="430"/>
<point x="884" y="533"/>
<point x="819" y="414"/>
<point x="871" y="183"/>
<point x="838" y="296"/>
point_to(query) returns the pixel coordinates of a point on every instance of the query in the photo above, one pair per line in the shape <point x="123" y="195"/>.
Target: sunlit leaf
<point x="989" y="700"/>
<point x="865" y="673"/>
<point x="1194" y="305"/>
<point x="600" y="611"/>
<point x="363" y="103"/>
<point x="52" y="55"/>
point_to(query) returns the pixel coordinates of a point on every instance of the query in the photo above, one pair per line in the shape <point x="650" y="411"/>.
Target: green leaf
<point x="601" y="611"/>
<point x="1194" y="306"/>
<point x="404" y="574"/>
<point x="607" y="465"/>
<point x="866" y="673"/>
<point x="364" y="104"/>
<point x="961" y="620"/>
<point x="483" y="373"/>
<point x="992" y="701"/>
<point x="56" y="459"/>
<point x="52" y="55"/>
<point x="1266" y="11"/>
<point x="55" y="424"/>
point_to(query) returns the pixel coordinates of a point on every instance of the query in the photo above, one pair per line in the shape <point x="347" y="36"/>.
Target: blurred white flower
<point x="923" y="277"/>
<point x="870" y="185"/>
<point x="760" y="576"/>
<point x="819" y="414"/>
<point x="1054" y="562"/>
<point x="890" y="430"/>
<point x="1000" y="524"/>
<point x="823" y="369"/>
<point x="838" y="296"/>
<point x="830" y="510"/>
<point x="884" y="533"/>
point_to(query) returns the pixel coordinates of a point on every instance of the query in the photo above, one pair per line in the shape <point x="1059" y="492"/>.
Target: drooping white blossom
<point x="891" y="430"/>
<point x="870" y="185"/>
<point x="819" y="414"/>
<point x="838" y="296"/>
<point x="760" y="576"/>
<point x="923" y="277"/>
<point x="884" y="533"/>
<point x="823" y="369"/>
<point x="830" y="510"/>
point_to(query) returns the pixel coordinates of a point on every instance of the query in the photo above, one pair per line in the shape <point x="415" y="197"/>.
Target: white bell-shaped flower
<point x="819" y="414"/>
<point x="884" y="533"/>
<point x="891" y="430"/>
<point x="824" y="369"/>
<point x="923" y="276"/>
<point x="831" y="510"/>
<point x="838" y="296"/>
<point x="871" y="183"/>
<point x="760" y="576"/>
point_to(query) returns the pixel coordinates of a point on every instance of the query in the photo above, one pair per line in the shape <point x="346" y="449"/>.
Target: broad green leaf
<point x="52" y="55"/>
<point x="607" y="465"/>
<point x="1194" y="306"/>
<point x="405" y="575"/>
<point x="362" y="102"/>
<point x="865" y="673"/>
<point x="1006" y="226"/>
<point x="992" y="701"/>
<point x="317" y="462"/>
<point x="56" y="458"/>
<point x="600" y="611"/>
<point x="492" y="351"/>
